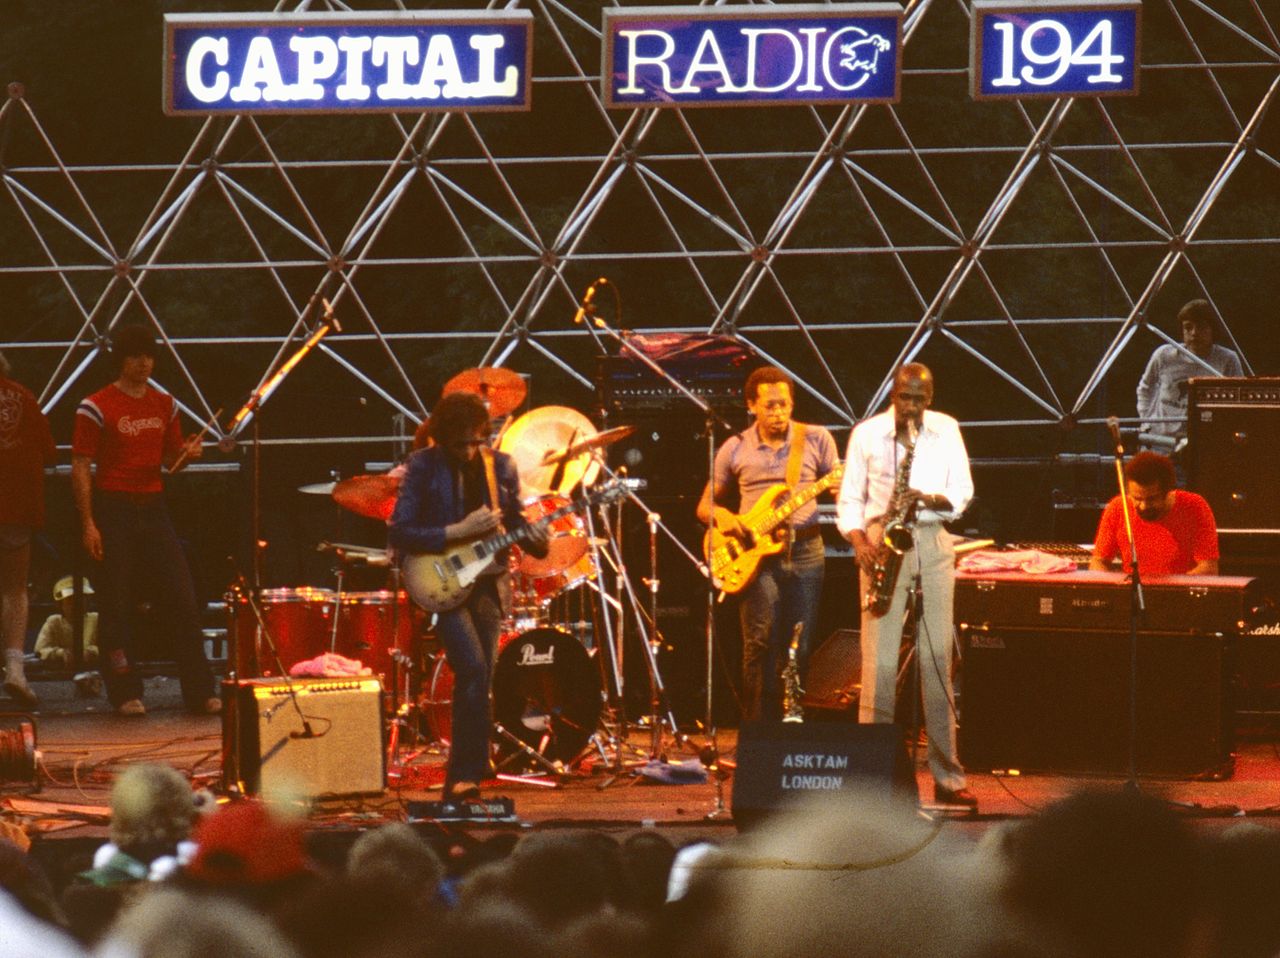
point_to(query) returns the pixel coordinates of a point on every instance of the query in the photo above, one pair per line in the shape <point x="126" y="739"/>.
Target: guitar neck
<point x="487" y="547"/>
<point x="780" y="514"/>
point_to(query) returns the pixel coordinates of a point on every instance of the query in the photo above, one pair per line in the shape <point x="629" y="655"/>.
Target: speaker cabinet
<point x="784" y="762"/>
<point x="1058" y="700"/>
<point x="834" y="678"/>
<point x="338" y="751"/>
<point x="1233" y="431"/>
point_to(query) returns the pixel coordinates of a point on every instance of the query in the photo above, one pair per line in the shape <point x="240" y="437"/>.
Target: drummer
<point x="448" y="496"/>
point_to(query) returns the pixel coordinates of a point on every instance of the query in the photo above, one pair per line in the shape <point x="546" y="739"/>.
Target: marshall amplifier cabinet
<point x="1233" y="451"/>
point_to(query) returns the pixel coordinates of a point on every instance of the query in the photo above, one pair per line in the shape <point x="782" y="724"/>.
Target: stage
<point x="83" y="745"/>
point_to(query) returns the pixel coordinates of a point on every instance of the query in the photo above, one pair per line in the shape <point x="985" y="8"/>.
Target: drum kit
<point x="549" y="683"/>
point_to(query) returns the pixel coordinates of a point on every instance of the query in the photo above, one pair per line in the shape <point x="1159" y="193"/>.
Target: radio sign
<point x="345" y="62"/>
<point x="1055" y="48"/>
<point x="765" y="55"/>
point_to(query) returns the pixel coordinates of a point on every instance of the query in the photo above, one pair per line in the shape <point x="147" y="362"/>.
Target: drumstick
<point x="182" y="456"/>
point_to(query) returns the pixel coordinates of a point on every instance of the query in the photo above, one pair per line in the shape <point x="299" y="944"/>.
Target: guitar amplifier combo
<point x="330" y="745"/>
<point x="1041" y="699"/>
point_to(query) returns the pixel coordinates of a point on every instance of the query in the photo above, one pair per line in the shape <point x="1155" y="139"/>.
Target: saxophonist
<point x="907" y="467"/>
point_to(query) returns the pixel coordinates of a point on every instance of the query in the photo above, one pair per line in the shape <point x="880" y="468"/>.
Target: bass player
<point x="787" y="583"/>
<point x="457" y="490"/>
<point x="920" y="455"/>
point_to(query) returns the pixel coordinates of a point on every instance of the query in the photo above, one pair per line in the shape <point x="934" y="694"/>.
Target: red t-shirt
<point x="1172" y="544"/>
<point x="26" y="446"/>
<point x="127" y="437"/>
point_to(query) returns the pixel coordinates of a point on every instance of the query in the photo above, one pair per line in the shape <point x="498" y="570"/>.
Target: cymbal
<point x="502" y="389"/>
<point x="372" y="496"/>
<point x="597" y="441"/>
<point x="318" y="488"/>
<point x="545" y="433"/>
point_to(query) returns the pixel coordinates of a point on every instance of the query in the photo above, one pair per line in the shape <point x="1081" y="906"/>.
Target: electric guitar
<point x="734" y="562"/>
<point x="440" y="581"/>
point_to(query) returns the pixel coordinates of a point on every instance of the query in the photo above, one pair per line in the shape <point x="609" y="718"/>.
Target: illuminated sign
<point x="1055" y="48"/>
<point x="785" y="54"/>
<point x="324" y="63"/>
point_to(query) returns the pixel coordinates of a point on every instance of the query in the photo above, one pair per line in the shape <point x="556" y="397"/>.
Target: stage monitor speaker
<point x="266" y="747"/>
<point x="784" y="762"/>
<point x="834" y="677"/>
<point x="1233" y="432"/>
<point x="1058" y="700"/>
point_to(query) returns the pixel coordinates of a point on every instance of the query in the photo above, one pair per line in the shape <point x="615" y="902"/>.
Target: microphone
<point x="585" y="306"/>
<point x="1113" y="426"/>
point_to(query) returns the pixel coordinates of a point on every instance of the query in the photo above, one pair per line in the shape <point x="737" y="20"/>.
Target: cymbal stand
<point x="612" y="652"/>
<point x="647" y="627"/>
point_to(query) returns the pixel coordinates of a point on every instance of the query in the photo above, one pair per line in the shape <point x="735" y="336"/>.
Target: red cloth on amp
<point x="127" y="437"/>
<point x="1172" y="544"/>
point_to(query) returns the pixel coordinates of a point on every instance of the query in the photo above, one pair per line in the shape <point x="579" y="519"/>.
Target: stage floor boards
<point x="84" y="745"/>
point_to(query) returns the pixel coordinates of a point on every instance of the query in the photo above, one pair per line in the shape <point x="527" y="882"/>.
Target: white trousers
<point x="933" y="558"/>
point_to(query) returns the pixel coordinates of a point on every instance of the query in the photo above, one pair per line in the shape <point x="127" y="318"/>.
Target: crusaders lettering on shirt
<point x="128" y="437"/>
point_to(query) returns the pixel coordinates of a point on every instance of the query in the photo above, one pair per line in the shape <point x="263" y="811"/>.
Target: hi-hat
<point x="502" y="389"/>
<point x="544" y="434"/>
<point x="372" y="496"/>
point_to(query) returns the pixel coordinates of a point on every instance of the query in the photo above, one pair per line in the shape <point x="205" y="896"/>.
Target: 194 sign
<point x="1071" y="48"/>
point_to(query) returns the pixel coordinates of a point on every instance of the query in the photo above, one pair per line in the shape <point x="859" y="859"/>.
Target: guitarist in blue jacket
<point x="454" y="491"/>
<point x="787" y="584"/>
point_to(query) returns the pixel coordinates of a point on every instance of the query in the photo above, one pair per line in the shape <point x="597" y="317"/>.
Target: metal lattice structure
<point x="1033" y="252"/>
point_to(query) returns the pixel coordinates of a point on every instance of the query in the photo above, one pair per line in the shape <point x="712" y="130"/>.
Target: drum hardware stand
<point x="586" y="314"/>
<point x="527" y="751"/>
<point x="710" y="757"/>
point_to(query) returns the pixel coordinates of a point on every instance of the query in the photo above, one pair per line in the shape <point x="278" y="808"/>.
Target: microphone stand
<point x="711" y="419"/>
<point x="291" y="691"/>
<point x="255" y="400"/>
<point x="1137" y="605"/>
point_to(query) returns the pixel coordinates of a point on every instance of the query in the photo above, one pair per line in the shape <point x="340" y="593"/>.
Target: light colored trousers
<point x="934" y="559"/>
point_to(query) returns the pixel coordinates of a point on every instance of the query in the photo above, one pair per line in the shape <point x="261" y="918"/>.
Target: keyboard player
<point x="1174" y="529"/>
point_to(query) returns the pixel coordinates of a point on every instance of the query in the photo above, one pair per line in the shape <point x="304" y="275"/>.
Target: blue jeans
<point x="469" y="635"/>
<point x="140" y="548"/>
<point x="786" y="590"/>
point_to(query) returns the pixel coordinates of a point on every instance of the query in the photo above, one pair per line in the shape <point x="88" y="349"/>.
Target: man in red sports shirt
<point x="1174" y="530"/>
<point x="26" y="446"/>
<point x="130" y="429"/>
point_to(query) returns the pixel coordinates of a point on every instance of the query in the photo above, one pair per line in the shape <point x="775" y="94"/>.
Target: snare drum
<point x="300" y="622"/>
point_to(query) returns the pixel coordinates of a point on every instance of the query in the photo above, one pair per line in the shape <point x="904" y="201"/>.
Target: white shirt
<point x="940" y="467"/>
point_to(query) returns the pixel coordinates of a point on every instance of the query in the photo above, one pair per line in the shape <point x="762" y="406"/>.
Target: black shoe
<point x="960" y="796"/>
<point x="461" y="792"/>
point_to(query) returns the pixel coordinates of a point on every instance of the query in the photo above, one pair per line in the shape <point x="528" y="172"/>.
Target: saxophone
<point x="895" y="540"/>
<point x="792" y="710"/>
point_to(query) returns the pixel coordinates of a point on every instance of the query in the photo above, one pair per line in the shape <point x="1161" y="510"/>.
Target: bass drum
<point x="546" y="692"/>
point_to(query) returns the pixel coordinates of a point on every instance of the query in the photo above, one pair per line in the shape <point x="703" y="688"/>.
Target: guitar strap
<point x="486" y="456"/>
<point x="796" y="458"/>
